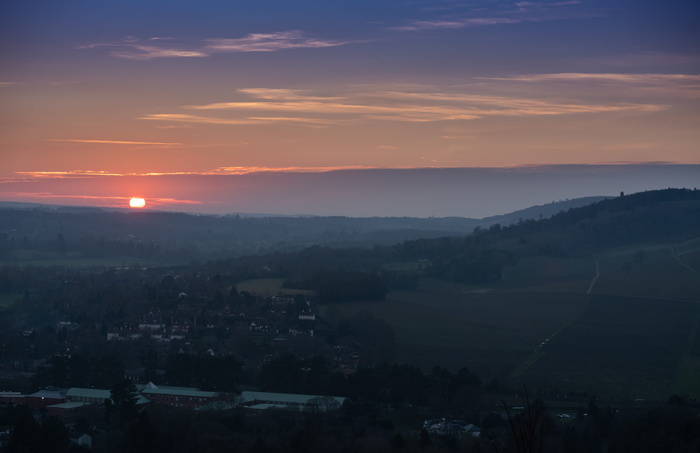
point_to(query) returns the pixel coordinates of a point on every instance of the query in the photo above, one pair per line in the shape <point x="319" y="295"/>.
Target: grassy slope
<point x="490" y="333"/>
<point x="634" y="336"/>
<point x="620" y="346"/>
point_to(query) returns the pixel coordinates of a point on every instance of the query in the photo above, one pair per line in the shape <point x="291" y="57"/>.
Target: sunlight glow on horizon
<point x="137" y="202"/>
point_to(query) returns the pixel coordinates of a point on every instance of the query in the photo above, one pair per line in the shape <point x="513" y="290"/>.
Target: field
<point x="7" y="300"/>
<point x="660" y="274"/>
<point x="540" y="273"/>
<point x="689" y="378"/>
<point x="84" y="262"/>
<point x="561" y="340"/>
<point x="490" y="333"/>
<point x="621" y="347"/>
<point x="637" y="335"/>
<point x="267" y="287"/>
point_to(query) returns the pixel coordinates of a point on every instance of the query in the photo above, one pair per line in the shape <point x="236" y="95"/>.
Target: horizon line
<point x="252" y="170"/>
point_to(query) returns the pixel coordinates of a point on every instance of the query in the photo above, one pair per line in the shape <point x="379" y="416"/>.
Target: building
<point x="186" y="397"/>
<point x="310" y="403"/>
<point x="12" y="397"/>
<point x="84" y="395"/>
<point x="72" y="410"/>
<point x="44" y="398"/>
<point x="95" y="396"/>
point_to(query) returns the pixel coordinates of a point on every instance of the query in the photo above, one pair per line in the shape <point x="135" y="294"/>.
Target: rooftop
<point x="284" y="398"/>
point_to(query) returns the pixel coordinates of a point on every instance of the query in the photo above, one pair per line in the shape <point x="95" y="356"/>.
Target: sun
<point x="137" y="202"/>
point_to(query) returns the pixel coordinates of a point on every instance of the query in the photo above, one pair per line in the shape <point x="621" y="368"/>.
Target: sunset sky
<point x="401" y="107"/>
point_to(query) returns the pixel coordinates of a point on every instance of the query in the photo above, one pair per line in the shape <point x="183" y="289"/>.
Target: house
<point x="44" y="398"/>
<point x="12" y="397"/>
<point x="186" y="397"/>
<point x="71" y="411"/>
<point x="95" y="396"/>
<point x="311" y="403"/>
<point x="84" y="395"/>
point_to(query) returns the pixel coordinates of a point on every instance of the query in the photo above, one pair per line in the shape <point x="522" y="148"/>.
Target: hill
<point x="596" y="300"/>
<point x="64" y="234"/>
<point x="599" y="300"/>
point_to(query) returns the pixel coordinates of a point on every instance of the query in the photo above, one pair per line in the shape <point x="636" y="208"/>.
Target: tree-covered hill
<point x="42" y="233"/>
<point x="671" y="215"/>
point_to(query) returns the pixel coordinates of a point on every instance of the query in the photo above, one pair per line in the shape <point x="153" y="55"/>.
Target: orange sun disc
<point x="137" y="202"/>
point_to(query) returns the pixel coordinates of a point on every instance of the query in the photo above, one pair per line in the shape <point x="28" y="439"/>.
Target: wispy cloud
<point x="496" y="13"/>
<point x="252" y="120"/>
<point x="615" y="77"/>
<point x="249" y="170"/>
<point x="455" y="23"/>
<point x="112" y="142"/>
<point x="219" y="171"/>
<point x="136" y="52"/>
<point x="178" y="117"/>
<point x="103" y="200"/>
<point x="686" y="85"/>
<point x="270" y="42"/>
<point x="148" y="49"/>
<point x="65" y="174"/>
<point x="253" y="170"/>
<point x="137" y="49"/>
<point x="418" y="104"/>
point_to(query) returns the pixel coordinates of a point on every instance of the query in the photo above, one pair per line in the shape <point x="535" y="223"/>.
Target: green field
<point x="612" y="346"/>
<point x="619" y="347"/>
<point x="659" y="275"/>
<point x="267" y="287"/>
<point x="541" y="273"/>
<point x="490" y="333"/>
<point x="635" y="336"/>
<point x="84" y="262"/>
<point x="7" y="300"/>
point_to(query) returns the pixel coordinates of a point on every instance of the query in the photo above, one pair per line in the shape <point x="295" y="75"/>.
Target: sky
<point x="362" y="108"/>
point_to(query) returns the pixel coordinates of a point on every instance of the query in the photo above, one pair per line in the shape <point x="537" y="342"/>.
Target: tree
<point x="123" y="397"/>
<point x="26" y="435"/>
<point x="55" y="436"/>
<point x="142" y="435"/>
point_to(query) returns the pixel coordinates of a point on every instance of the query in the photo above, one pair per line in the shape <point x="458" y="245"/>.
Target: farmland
<point x="626" y="347"/>
<point x="634" y="336"/>
<point x="490" y="333"/>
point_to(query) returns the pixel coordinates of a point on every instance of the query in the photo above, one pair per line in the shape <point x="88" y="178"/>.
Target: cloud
<point x="136" y="49"/>
<point x="284" y="94"/>
<point x="248" y="170"/>
<point x="414" y="104"/>
<point x="611" y="77"/>
<point x="499" y="13"/>
<point x="253" y="170"/>
<point x="686" y="85"/>
<point x="151" y="52"/>
<point x="103" y="200"/>
<point x="65" y="174"/>
<point x="178" y="117"/>
<point x="111" y="142"/>
<point x="455" y="23"/>
<point x="219" y="171"/>
<point x="269" y="42"/>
